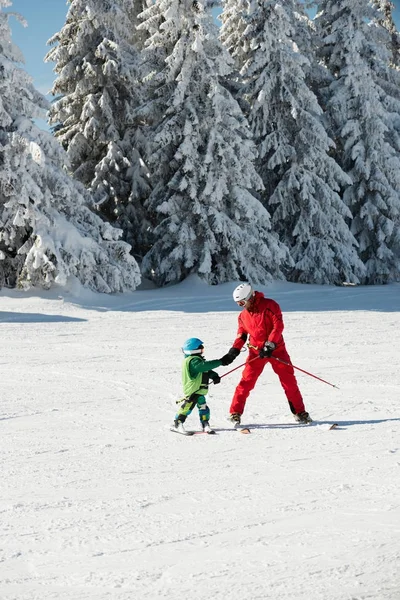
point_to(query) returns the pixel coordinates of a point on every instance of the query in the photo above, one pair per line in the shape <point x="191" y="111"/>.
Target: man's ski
<point x="244" y="430"/>
<point x="327" y="426"/>
<point x="238" y="427"/>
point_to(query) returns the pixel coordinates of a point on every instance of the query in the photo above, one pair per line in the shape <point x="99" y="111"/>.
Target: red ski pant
<point x="252" y="372"/>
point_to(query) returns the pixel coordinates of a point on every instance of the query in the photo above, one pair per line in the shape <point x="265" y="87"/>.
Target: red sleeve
<point x="241" y="336"/>
<point x="277" y="322"/>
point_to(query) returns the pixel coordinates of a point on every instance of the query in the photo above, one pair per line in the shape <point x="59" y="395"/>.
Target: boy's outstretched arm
<point x="198" y="365"/>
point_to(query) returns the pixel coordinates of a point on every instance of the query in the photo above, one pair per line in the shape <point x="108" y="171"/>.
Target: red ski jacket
<point x="263" y="323"/>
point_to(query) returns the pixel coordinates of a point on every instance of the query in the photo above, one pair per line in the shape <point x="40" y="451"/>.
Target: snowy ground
<point x="100" y="501"/>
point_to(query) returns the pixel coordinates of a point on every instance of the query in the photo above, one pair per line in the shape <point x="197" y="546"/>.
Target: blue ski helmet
<point x="192" y="346"/>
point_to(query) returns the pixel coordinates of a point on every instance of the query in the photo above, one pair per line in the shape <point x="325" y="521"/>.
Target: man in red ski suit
<point x="261" y="319"/>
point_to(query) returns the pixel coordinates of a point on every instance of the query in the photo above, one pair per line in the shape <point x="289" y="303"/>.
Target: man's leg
<point x="251" y="373"/>
<point x="288" y="381"/>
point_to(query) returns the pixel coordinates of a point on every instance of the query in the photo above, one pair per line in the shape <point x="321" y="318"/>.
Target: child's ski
<point x="181" y="431"/>
<point x="191" y="432"/>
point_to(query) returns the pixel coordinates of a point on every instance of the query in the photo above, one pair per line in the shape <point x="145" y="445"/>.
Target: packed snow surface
<point x="99" y="500"/>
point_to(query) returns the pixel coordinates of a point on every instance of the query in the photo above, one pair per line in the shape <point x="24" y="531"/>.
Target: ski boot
<point x="303" y="417"/>
<point x="207" y="428"/>
<point x="178" y="426"/>
<point x="234" y="418"/>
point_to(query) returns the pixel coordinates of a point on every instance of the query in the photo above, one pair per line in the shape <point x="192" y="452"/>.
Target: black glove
<point x="216" y="379"/>
<point x="267" y="351"/>
<point x="228" y="358"/>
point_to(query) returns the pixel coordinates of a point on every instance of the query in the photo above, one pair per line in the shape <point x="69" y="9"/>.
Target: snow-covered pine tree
<point x="232" y="35"/>
<point x="358" y="111"/>
<point x="387" y="76"/>
<point x="208" y="220"/>
<point x="302" y="181"/>
<point x="47" y="231"/>
<point x="317" y="75"/>
<point x="385" y="19"/>
<point x="233" y="32"/>
<point x="98" y="91"/>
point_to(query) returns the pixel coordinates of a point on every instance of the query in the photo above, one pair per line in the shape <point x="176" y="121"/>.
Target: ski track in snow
<point x="99" y="501"/>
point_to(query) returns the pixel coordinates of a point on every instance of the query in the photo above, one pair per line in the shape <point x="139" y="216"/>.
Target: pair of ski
<point x="191" y="432"/>
<point x="244" y="430"/>
<point x="210" y="432"/>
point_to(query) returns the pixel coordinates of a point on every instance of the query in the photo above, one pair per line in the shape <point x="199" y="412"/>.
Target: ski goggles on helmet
<point x="242" y="293"/>
<point x="245" y="300"/>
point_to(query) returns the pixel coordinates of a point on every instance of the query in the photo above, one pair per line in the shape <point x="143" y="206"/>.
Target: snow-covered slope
<point x="100" y="501"/>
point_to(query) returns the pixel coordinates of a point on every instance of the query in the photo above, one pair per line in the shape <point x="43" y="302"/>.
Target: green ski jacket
<point x="196" y="371"/>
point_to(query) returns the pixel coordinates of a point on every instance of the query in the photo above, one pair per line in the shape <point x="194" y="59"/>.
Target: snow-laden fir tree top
<point x="305" y="36"/>
<point x="47" y="231"/>
<point x="386" y="20"/>
<point x="208" y="219"/>
<point x="302" y="180"/>
<point x="232" y="32"/>
<point x="98" y="89"/>
<point x="361" y="122"/>
<point x="387" y="74"/>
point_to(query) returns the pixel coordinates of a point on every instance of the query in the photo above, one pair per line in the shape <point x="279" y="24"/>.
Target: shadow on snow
<point x="340" y="424"/>
<point x="15" y="317"/>
<point x="195" y="296"/>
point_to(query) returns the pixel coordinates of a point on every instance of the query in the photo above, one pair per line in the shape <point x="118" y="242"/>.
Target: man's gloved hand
<point x="228" y="358"/>
<point x="216" y="379"/>
<point x="267" y="351"/>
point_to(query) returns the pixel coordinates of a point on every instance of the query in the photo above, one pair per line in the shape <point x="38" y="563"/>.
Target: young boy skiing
<point x="196" y="373"/>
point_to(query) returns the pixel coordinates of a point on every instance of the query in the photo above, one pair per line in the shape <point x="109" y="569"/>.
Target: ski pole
<point x="303" y="371"/>
<point x="245" y="363"/>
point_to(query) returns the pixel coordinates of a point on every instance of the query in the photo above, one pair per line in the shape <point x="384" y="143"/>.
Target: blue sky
<point x="46" y="17"/>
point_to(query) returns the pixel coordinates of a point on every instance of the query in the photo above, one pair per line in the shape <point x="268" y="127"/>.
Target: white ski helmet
<point x="243" y="292"/>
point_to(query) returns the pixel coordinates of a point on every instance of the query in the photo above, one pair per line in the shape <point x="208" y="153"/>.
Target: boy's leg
<point x="186" y="408"/>
<point x="204" y="411"/>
